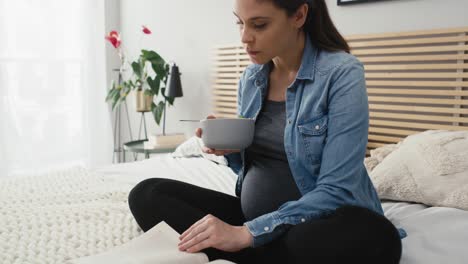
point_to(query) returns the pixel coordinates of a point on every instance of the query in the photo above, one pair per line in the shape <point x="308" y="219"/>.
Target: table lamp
<point x="174" y="89"/>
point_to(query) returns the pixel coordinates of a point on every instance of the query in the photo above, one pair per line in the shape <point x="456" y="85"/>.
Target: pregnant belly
<point x="265" y="189"/>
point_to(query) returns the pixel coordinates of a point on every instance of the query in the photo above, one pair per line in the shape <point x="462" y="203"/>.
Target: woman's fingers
<point x="198" y="132"/>
<point x="200" y="246"/>
<point x="219" y="152"/>
<point x="196" y="236"/>
<point x="191" y="228"/>
<point x="199" y="222"/>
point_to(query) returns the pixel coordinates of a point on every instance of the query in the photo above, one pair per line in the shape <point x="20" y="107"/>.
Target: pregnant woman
<point x="303" y="194"/>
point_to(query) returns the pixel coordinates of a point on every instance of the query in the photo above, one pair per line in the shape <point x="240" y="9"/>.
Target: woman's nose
<point x="246" y="36"/>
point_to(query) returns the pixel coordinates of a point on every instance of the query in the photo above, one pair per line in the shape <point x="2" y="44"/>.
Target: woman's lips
<point x="252" y="53"/>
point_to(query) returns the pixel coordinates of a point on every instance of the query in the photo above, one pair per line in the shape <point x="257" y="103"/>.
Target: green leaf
<point x="136" y="68"/>
<point x="110" y="94"/>
<point x="170" y="100"/>
<point x="157" y="111"/>
<point x="151" y="56"/>
<point x="115" y="100"/>
<point x="158" y="68"/>
<point x="154" y="84"/>
<point x="148" y="92"/>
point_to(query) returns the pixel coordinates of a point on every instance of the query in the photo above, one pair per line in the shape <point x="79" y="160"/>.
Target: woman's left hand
<point x="213" y="232"/>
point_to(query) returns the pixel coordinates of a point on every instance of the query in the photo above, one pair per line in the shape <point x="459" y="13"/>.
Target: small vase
<point x="143" y="101"/>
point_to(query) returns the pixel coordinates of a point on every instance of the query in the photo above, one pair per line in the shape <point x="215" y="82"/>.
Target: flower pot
<point x="143" y="101"/>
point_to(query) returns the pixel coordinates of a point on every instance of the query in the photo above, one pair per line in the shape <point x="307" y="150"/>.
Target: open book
<point x="157" y="245"/>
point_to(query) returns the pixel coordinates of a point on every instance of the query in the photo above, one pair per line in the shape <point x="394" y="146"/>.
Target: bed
<point x="416" y="82"/>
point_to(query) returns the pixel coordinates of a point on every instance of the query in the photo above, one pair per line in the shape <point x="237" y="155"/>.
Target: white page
<point x="157" y="245"/>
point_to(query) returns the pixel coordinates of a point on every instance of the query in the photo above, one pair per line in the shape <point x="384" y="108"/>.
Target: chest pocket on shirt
<point x="314" y="134"/>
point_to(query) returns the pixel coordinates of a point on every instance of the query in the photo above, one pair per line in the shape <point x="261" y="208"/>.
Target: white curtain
<point x="52" y="86"/>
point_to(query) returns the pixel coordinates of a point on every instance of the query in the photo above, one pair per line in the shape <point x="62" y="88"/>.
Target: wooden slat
<point x="442" y="119"/>
<point x="416" y="58"/>
<point x="403" y="42"/>
<point x="419" y="100"/>
<point x="225" y="98"/>
<point x="423" y="109"/>
<point x="375" y="145"/>
<point x="392" y="131"/>
<point x="225" y="92"/>
<point x="441" y="66"/>
<point x="232" y="57"/>
<point x="231" y="69"/>
<point x="240" y="63"/>
<point x="226" y="110"/>
<point x="417" y="92"/>
<point x="414" y="125"/>
<point x="410" y="50"/>
<point x="234" y="75"/>
<point x="229" y="51"/>
<point x="226" y="104"/>
<point x="232" y="82"/>
<point x="384" y="138"/>
<point x="418" y="75"/>
<point x="225" y="86"/>
<point x="415" y="80"/>
<point x="407" y="34"/>
<point x="418" y="83"/>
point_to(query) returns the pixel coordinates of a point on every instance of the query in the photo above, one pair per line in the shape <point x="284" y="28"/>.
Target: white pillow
<point x="193" y="147"/>
<point x="429" y="167"/>
<point x="378" y="155"/>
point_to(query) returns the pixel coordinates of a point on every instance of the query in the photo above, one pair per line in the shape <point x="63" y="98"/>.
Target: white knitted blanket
<point x="63" y="215"/>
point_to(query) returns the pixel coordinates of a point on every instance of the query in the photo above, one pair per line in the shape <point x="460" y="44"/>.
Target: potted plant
<point x="148" y="77"/>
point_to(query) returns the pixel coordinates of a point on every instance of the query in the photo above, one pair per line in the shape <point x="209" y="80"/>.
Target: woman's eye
<point x="260" y="26"/>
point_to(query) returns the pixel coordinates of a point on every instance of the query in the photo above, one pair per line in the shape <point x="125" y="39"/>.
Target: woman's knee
<point x="386" y="244"/>
<point x="146" y="190"/>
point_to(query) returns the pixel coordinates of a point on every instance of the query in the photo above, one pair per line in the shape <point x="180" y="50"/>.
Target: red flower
<point x="146" y="30"/>
<point x="114" y="38"/>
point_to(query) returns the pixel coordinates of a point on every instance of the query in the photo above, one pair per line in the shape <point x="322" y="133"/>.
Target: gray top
<point x="268" y="182"/>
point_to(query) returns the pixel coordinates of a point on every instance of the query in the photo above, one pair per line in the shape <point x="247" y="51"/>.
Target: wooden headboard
<point x="415" y="81"/>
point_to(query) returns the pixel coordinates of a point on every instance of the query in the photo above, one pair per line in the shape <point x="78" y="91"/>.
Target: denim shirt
<point x="325" y="138"/>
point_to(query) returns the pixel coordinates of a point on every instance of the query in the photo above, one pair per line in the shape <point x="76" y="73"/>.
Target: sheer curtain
<point x="52" y="86"/>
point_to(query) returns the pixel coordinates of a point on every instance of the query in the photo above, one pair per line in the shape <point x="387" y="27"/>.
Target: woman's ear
<point x="300" y="17"/>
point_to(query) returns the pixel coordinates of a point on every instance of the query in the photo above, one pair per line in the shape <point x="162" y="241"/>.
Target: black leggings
<point x="349" y="235"/>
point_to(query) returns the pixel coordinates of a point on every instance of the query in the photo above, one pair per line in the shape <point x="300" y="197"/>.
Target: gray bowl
<point x="227" y="133"/>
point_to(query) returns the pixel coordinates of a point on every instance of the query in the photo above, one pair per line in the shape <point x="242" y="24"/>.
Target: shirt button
<point x="266" y="228"/>
<point x="289" y="121"/>
<point x="257" y="82"/>
<point x="317" y="127"/>
<point x="302" y="220"/>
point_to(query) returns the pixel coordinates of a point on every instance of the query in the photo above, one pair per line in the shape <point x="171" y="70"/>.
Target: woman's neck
<point x="289" y="62"/>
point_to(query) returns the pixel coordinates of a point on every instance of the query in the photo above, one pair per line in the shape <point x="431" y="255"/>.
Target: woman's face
<point x="266" y="30"/>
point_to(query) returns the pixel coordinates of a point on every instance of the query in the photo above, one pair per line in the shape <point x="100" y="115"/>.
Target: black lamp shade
<point x="175" y="87"/>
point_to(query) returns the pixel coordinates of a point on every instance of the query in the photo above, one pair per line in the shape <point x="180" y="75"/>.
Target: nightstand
<point x="137" y="147"/>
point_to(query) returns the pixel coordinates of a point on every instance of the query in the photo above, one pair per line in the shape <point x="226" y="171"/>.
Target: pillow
<point x="193" y="147"/>
<point x="379" y="154"/>
<point x="429" y="167"/>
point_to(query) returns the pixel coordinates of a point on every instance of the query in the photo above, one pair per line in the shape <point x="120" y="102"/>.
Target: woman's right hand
<point x="217" y="152"/>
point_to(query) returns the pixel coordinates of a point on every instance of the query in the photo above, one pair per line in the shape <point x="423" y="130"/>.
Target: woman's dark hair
<point x="318" y="25"/>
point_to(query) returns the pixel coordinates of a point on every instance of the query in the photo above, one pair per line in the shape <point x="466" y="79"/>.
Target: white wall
<point x="185" y="31"/>
<point x="398" y="15"/>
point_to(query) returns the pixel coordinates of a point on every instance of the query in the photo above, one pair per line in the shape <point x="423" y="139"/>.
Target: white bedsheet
<point x="71" y="222"/>
<point x="63" y="215"/>
<point x="194" y="170"/>
<point x="435" y="234"/>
